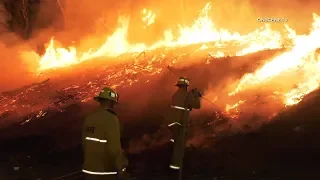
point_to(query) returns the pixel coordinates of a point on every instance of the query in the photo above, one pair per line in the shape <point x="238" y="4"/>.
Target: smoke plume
<point x="13" y="68"/>
<point x="85" y="23"/>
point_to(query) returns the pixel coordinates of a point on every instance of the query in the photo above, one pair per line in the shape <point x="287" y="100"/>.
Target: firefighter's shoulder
<point x="182" y="93"/>
<point x="111" y="112"/>
<point x="110" y="115"/>
<point x="110" y="118"/>
<point x="94" y="114"/>
<point x="99" y="113"/>
<point x="102" y="114"/>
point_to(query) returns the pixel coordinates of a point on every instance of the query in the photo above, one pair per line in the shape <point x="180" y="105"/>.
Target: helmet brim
<point x="98" y="99"/>
<point x="181" y="85"/>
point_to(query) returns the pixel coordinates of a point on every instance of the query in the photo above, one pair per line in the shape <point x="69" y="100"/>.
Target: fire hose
<point x="213" y="104"/>
<point x="78" y="173"/>
<point x="67" y="175"/>
<point x="177" y="75"/>
<point x="201" y="95"/>
<point x="218" y="109"/>
<point x="174" y="73"/>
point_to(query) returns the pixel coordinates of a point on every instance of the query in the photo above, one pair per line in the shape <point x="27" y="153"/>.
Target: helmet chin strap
<point x="106" y="103"/>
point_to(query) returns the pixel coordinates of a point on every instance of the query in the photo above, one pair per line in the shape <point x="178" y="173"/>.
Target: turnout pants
<point x="101" y="177"/>
<point x="178" y="149"/>
<point x="174" y="174"/>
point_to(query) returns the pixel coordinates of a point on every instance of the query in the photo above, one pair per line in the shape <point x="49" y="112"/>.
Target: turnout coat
<point x="182" y="103"/>
<point x="103" y="155"/>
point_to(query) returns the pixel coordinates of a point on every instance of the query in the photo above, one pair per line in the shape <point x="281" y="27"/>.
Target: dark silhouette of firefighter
<point x="182" y="103"/>
<point x="103" y="155"/>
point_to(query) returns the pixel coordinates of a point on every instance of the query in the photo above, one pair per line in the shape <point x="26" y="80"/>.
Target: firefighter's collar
<point x="111" y="111"/>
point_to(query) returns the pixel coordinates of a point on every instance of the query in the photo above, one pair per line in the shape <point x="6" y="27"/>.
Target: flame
<point x="300" y="55"/>
<point x="229" y="107"/>
<point x="148" y="18"/>
<point x="203" y="30"/>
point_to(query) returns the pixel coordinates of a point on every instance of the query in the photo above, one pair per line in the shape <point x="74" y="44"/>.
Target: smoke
<point x="234" y="14"/>
<point x="14" y="69"/>
<point x="87" y="24"/>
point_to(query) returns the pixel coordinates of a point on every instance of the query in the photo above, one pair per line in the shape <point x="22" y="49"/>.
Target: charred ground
<point x="285" y="148"/>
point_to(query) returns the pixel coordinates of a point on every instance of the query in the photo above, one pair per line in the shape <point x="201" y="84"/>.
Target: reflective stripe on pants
<point x="96" y="139"/>
<point x="98" y="173"/>
<point x="174" y="167"/>
<point x="181" y="108"/>
<point x="175" y="123"/>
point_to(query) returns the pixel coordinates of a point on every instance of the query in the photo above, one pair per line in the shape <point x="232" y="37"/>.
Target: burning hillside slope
<point x="247" y="88"/>
<point x="288" y="144"/>
<point x="133" y="81"/>
<point x="258" y="82"/>
<point x="300" y="60"/>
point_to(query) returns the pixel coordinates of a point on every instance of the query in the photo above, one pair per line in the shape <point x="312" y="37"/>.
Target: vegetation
<point x="23" y="15"/>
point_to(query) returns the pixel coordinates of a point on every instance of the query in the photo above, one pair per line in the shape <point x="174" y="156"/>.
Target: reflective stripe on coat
<point x="101" y="144"/>
<point x="182" y="103"/>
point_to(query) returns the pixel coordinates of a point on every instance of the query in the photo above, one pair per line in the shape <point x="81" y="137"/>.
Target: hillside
<point x="285" y="147"/>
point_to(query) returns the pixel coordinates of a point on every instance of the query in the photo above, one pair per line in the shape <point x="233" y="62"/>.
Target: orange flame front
<point x="300" y="55"/>
<point x="203" y="30"/>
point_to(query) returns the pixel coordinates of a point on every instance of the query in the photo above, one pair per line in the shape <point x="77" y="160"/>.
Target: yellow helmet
<point x="182" y="81"/>
<point x="107" y="93"/>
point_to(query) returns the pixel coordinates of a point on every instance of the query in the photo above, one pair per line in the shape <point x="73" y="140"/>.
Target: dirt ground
<point x="286" y="149"/>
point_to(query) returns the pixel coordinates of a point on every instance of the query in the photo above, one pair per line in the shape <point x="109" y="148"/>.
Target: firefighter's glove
<point x="124" y="175"/>
<point x="196" y="92"/>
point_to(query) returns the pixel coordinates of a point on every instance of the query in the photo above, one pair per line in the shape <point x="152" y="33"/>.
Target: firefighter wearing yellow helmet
<point x="103" y="156"/>
<point x="182" y="103"/>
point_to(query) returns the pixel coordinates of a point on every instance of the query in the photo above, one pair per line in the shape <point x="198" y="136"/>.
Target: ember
<point x="204" y="42"/>
<point x="203" y="31"/>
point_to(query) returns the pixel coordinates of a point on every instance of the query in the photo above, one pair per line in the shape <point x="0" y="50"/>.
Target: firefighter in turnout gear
<point x="103" y="156"/>
<point x="182" y="103"/>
